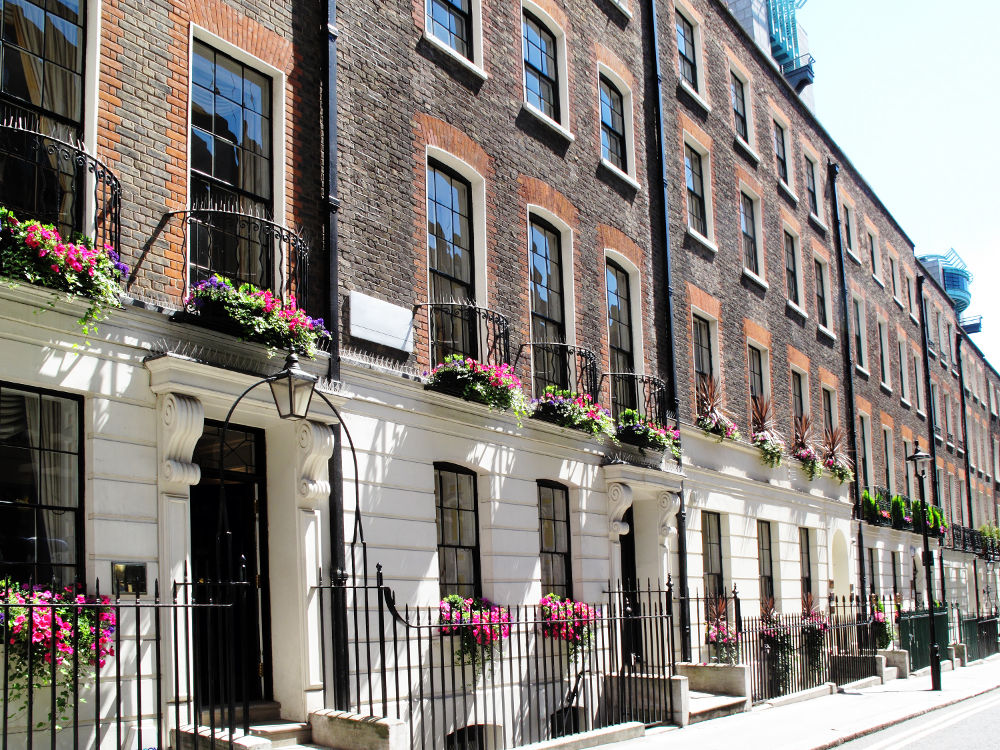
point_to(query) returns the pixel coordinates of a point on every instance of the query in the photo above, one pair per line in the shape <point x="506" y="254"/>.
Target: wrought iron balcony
<point x="644" y="394"/>
<point x="56" y="182"/>
<point x="246" y="249"/>
<point x="468" y="330"/>
<point x="567" y="367"/>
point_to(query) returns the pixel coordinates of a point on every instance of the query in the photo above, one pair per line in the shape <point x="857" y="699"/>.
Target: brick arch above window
<point x="538" y="193"/>
<point x="230" y="24"/>
<point x="430" y="131"/>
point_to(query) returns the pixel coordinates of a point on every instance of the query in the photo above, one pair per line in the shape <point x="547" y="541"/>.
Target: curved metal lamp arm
<point x="359" y="532"/>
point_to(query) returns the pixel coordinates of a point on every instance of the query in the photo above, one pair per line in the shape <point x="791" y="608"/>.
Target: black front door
<point x="631" y="606"/>
<point x="229" y="566"/>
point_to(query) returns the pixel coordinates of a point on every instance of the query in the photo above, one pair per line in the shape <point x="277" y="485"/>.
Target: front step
<point x="262" y="712"/>
<point x="889" y="674"/>
<point x="283" y="733"/>
<point x="705" y="706"/>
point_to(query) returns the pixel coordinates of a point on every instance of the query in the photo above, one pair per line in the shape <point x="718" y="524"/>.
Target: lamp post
<point x="919" y="460"/>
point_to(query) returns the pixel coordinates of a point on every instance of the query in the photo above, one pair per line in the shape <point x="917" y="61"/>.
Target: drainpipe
<point x="965" y="443"/>
<point x="338" y="636"/>
<point x="833" y="169"/>
<point x="682" y="572"/>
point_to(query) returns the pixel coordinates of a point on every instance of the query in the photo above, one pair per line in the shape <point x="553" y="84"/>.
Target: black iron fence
<point x="914" y="634"/>
<point x="788" y="653"/>
<point x="981" y="636"/>
<point x="49" y="178"/>
<point x="478" y="675"/>
<point x="88" y="670"/>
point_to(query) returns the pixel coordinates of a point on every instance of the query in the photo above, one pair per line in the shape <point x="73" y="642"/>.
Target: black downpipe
<point x="931" y="407"/>
<point x="338" y="623"/>
<point x="968" y="468"/>
<point x="833" y="169"/>
<point x="682" y="573"/>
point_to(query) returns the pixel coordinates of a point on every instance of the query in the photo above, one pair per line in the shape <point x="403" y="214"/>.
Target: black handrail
<point x="576" y="367"/>
<point x="278" y="249"/>
<point x="56" y="155"/>
<point x="469" y="330"/>
<point x="648" y="392"/>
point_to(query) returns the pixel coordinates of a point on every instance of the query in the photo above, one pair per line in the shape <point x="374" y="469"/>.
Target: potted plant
<point x="568" y="621"/>
<point x="254" y="314"/>
<point x="881" y="627"/>
<point x="897" y="512"/>
<point x="721" y="637"/>
<point x="814" y="628"/>
<point x="803" y="450"/>
<point x="712" y="418"/>
<point x="776" y="641"/>
<point x="646" y="434"/>
<point x="575" y="411"/>
<point x="869" y="507"/>
<point x="35" y="252"/>
<point x="478" y="624"/>
<point x="496" y="386"/>
<point x="40" y="622"/>
<point x="835" y="457"/>
<point x="764" y="432"/>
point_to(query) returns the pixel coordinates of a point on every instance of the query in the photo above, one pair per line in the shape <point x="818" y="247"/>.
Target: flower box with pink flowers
<point x="576" y="411"/>
<point x="253" y="314"/>
<point x="35" y="252"/>
<point x="495" y="386"/>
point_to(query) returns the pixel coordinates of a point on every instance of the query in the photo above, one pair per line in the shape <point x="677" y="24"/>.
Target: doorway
<point x="229" y="567"/>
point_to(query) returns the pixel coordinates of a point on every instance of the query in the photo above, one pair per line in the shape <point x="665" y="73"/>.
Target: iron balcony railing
<point x="564" y="366"/>
<point x="56" y="182"/>
<point x="644" y="394"/>
<point x="246" y="249"/>
<point x="468" y="330"/>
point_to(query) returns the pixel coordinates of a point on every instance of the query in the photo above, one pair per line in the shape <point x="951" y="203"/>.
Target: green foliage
<point x="259" y="315"/>
<point x="576" y="411"/>
<point x="897" y="512"/>
<point x="35" y="252"/>
<point x="496" y="386"/>
<point x="645" y="433"/>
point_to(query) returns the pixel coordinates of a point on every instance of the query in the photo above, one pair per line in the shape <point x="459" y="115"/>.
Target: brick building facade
<point x="521" y="183"/>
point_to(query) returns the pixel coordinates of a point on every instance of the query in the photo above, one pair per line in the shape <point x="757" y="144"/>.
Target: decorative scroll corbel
<point x="315" y="446"/>
<point x="619" y="501"/>
<point x="182" y="422"/>
<point x="669" y="503"/>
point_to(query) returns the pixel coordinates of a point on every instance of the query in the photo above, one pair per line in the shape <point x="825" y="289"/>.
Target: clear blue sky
<point x="910" y="89"/>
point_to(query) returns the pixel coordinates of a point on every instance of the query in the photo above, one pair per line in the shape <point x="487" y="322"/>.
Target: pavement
<point x="828" y="721"/>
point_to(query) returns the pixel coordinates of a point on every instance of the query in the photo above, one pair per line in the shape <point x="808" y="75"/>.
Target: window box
<point x="495" y="386"/>
<point x="35" y="252"/>
<point x="573" y="411"/>
<point x="253" y="314"/>
<point x="647" y="435"/>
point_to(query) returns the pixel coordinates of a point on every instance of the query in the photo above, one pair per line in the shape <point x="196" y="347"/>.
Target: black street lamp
<point x="919" y="460"/>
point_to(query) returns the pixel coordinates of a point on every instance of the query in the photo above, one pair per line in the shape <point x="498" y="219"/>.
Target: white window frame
<point x="750" y="144"/>
<point x="629" y="116"/>
<point x="800" y="271"/>
<point x="866" y="422"/>
<point x="873" y="239"/>
<point x="894" y="279"/>
<point x="765" y="364"/>
<point x="828" y="300"/>
<point x="477" y="189"/>
<point x="758" y="220"/>
<point x="701" y="95"/>
<point x="806" y="401"/>
<point x="713" y="334"/>
<point x="834" y="405"/>
<point x="935" y="407"/>
<point x="689" y="139"/>
<point x="904" y="371"/>
<point x="907" y="468"/>
<point x="813" y="158"/>
<point x="789" y="186"/>
<point x="890" y="458"/>
<point x="862" y="363"/>
<point x="562" y="125"/>
<point x="993" y="399"/>
<point x="850" y="222"/>
<point x="475" y="64"/>
<point x="996" y="457"/>
<point x="921" y="402"/>
<point x="911" y="295"/>
<point x="566" y="246"/>
<point x="885" y="376"/>
<point x="635" y="305"/>
<point x="278" y="140"/>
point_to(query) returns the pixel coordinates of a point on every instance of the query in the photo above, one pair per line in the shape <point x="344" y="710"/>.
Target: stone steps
<point x="283" y="733"/>
<point x="705" y="706"/>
